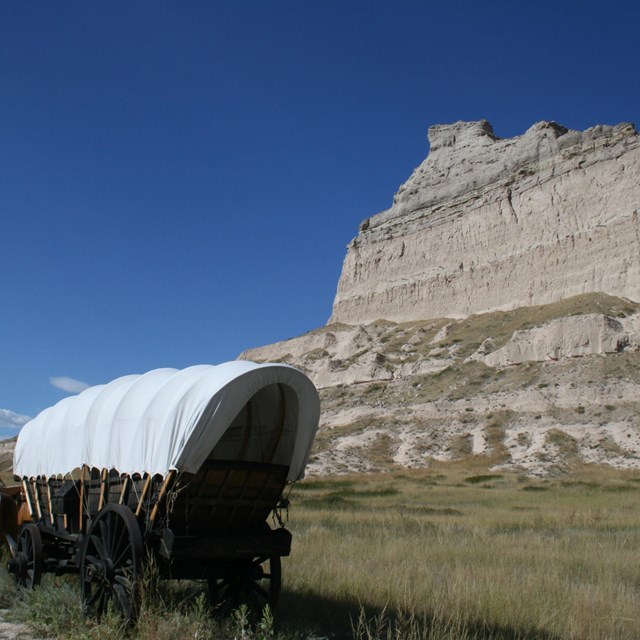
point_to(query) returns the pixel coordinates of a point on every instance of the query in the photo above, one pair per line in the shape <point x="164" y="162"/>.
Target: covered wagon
<point x="183" y="465"/>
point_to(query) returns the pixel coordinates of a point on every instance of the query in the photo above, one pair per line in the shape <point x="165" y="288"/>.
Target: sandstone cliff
<point x="490" y="311"/>
<point x="487" y="223"/>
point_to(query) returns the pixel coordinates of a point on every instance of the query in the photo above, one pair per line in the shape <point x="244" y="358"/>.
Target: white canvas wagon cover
<point x="169" y="419"/>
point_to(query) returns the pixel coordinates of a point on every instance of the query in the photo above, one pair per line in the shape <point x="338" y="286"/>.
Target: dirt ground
<point x="12" y="630"/>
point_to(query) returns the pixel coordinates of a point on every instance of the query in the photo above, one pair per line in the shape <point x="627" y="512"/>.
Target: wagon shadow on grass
<point x="316" y="616"/>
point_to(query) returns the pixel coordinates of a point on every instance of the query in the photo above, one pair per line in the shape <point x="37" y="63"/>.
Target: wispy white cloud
<point x="68" y="384"/>
<point x="11" y="420"/>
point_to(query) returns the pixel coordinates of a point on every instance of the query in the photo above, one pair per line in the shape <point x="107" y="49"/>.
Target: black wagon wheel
<point x="26" y="565"/>
<point x="255" y="582"/>
<point x="110" y="561"/>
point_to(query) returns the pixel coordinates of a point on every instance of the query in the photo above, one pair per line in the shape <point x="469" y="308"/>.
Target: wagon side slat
<point x="143" y="495"/>
<point x="227" y="496"/>
<point x="36" y="500"/>
<point x="163" y="489"/>
<point x="124" y="494"/>
<point x="27" y="495"/>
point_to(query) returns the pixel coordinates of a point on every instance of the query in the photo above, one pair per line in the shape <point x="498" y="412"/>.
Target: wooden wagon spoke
<point x="123" y="581"/>
<point x="122" y="538"/>
<point x="91" y="601"/>
<point x="124" y="599"/>
<point x="123" y="556"/>
<point x="263" y="592"/>
<point x="104" y="535"/>
<point x="102" y="601"/>
<point x="99" y="547"/>
<point x="114" y="530"/>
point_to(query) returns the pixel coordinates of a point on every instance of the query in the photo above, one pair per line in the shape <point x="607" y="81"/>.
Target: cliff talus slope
<point x="485" y="224"/>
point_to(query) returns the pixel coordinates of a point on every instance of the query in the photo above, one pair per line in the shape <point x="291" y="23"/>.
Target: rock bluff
<point x="488" y="224"/>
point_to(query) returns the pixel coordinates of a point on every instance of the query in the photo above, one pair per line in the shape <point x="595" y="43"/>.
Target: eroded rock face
<point x="6" y="453"/>
<point x="530" y="234"/>
<point x="570" y="337"/>
<point x="535" y="390"/>
<point x="487" y="223"/>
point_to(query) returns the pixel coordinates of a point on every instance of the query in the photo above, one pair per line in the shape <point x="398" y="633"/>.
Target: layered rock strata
<point x="486" y="223"/>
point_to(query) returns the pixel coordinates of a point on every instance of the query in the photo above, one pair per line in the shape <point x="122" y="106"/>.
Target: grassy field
<point x="468" y="554"/>
<point x="453" y="552"/>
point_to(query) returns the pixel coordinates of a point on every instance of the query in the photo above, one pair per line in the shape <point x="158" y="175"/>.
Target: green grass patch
<point x="483" y="478"/>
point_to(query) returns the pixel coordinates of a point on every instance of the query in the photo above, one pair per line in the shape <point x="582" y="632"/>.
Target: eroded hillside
<point x="537" y="389"/>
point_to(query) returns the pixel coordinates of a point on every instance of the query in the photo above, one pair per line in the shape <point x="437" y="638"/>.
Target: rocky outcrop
<point x="340" y="354"/>
<point x="346" y="354"/>
<point x="570" y="337"/>
<point x="536" y="390"/>
<point x="6" y="453"/>
<point x="486" y="223"/>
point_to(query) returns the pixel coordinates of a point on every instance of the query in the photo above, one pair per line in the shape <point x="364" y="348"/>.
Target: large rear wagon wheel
<point x="26" y="565"/>
<point x="255" y="582"/>
<point x="110" y="562"/>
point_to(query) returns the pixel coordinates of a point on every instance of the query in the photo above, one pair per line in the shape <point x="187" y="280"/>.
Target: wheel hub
<point x="99" y="572"/>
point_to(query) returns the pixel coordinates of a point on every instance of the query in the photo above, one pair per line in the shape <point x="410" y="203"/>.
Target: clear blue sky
<point x="178" y="180"/>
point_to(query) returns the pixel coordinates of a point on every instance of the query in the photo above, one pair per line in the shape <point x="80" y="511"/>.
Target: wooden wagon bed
<point x="223" y="496"/>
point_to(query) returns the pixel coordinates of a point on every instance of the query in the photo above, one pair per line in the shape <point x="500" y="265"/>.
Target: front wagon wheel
<point x="110" y="562"/>
<point x="26" y="565"/>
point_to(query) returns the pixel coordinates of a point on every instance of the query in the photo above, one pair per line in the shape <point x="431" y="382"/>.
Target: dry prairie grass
<point x="464" y="557"/>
